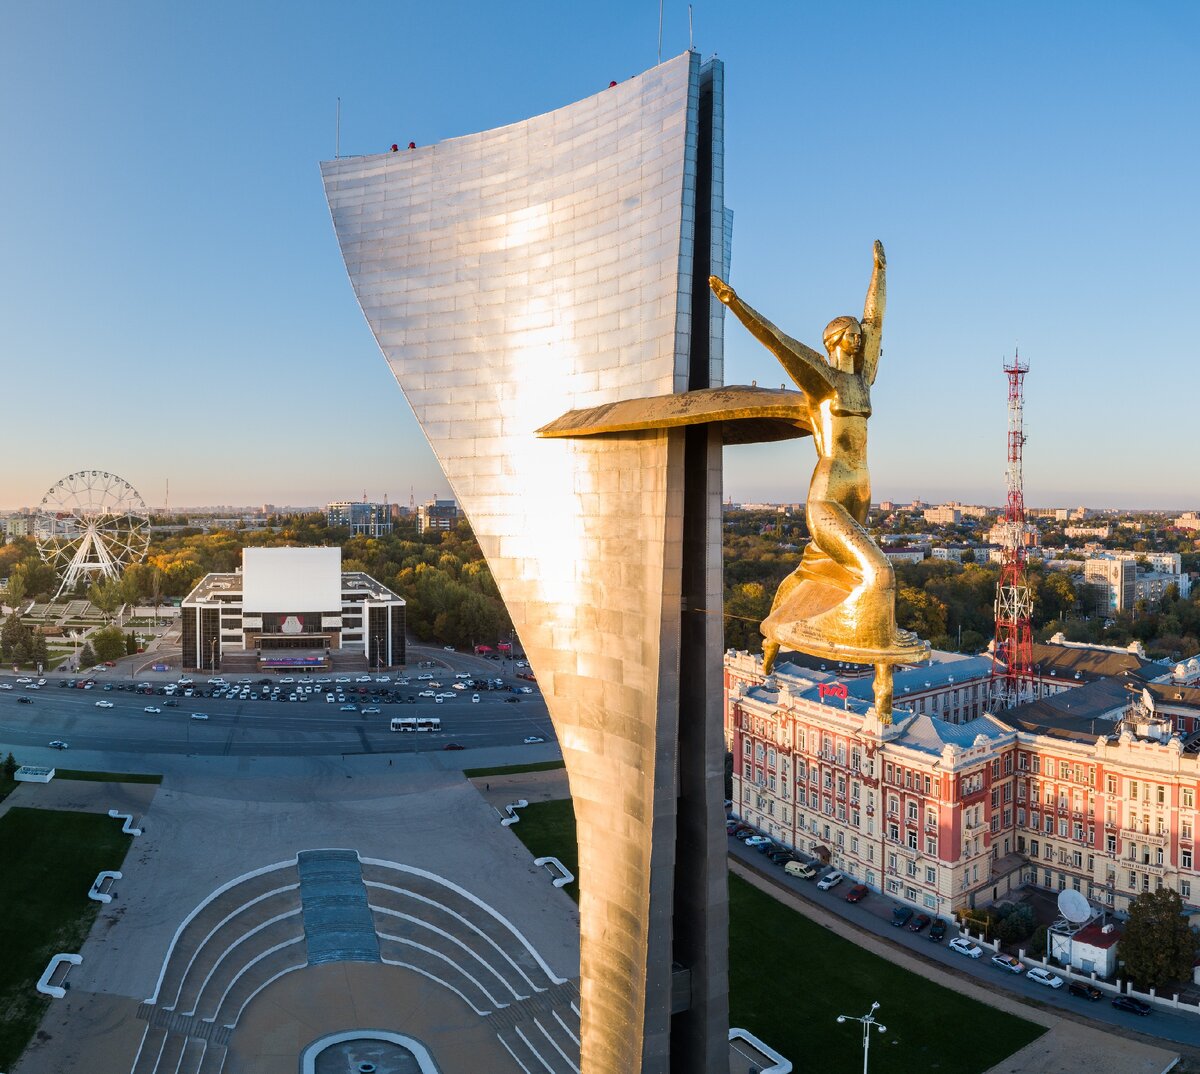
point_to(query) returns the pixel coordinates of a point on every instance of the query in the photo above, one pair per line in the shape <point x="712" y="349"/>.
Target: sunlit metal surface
<point x="840" y="602"/>
<point x="512" y="276"/>
<point x="746" y="415"/>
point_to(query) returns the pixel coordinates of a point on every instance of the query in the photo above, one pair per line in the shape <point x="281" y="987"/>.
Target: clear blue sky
<point x="173" y="304"/>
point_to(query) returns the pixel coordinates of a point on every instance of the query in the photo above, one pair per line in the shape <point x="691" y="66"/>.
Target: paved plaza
<point x="418" y="914"/>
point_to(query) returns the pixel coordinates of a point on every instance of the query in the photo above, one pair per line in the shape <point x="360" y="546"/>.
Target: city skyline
<point x="174" y="266"/>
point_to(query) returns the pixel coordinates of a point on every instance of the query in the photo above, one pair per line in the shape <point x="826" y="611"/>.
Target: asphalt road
<point x="266" y="728"/>
<point x="874" y="915"/>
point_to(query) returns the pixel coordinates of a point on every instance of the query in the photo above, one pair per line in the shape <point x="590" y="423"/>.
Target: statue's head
<point x="843" y="339"/>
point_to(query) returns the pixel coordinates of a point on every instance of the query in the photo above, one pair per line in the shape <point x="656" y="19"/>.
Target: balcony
<point x="1135" y="835"/>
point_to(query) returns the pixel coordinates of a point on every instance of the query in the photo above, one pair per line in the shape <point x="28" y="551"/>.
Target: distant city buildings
<point x="1103" y="531"/>
<point x="946" y="515"/>
<point x="1189" y="520"/>
<point x="360" y="517"/>
<point x="17" y="525"/>
<point x="437" y="515"/>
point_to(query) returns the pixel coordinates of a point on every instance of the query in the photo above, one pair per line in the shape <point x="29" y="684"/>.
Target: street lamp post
<point x="867" y="1020"/>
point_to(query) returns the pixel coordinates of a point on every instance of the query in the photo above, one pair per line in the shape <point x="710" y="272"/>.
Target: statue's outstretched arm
<point x="872" y="319"/>
<point x="804" y="365"/>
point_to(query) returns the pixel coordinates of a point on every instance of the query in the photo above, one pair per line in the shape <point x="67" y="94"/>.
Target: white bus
<point x="416" y="723"/>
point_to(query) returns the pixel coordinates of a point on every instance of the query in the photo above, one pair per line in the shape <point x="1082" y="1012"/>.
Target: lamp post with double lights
<point x="867" y="1020"/>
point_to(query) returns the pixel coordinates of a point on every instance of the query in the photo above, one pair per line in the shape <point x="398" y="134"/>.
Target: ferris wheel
<point x="91" y="523"/>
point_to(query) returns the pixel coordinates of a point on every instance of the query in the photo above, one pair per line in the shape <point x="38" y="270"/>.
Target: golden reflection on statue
<point x="840" y="602"/>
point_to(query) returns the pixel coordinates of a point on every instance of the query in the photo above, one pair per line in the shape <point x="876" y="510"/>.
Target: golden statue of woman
<point x="840" y="602"/>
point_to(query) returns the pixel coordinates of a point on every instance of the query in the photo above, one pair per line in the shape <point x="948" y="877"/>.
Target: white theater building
<point x="292" y="609"/>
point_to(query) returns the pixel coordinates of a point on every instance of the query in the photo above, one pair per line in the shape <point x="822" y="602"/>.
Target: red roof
<point x="1094" y="937"/>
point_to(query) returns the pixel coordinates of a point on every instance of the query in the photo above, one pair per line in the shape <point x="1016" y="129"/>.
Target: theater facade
<point x="292" y="609"/>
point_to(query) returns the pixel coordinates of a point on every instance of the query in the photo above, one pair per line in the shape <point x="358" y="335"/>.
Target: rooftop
<point x="1082" y="714"/>
<point x="932" y="735"/>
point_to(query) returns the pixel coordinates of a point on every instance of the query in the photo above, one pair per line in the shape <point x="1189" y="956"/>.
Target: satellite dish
<point x="1074" y="906"/>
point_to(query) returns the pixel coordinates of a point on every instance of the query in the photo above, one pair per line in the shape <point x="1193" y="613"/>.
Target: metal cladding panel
<point x="510" y="276"/>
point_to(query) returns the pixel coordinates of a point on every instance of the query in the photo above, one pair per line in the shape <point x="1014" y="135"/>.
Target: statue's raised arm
<point x="872" y="320"/>
<point x="805" y="366"/>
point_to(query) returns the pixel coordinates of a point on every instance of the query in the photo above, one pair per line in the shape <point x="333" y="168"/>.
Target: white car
<point x="1044" y="977"/>
<point x="152" y="708"/>
<point x="383" y="678"/>
<point x="426" y="677"/>
<point x="964" y="947"/>
<point x="525" y="689"/>
<point x="756" y="840"/>
<point x="426" y="693"/>
<point x="342" y="678"/>
<point x="23" y="681"/>
<point x="104" y="704"/>
<point x="458" y="686"/>
<point x="474" y="699"/>
<point x="448" y="648"/>
<point x="5" y="685"/>
<point x="830" y="880"/>
<point x="363" y="678"/>
<point x="532" y="739"/>
<point x="199" y="715"/>
<point x="330" y="698"/>
<point x="438" y="701"/>
<point x="287" y="678"/>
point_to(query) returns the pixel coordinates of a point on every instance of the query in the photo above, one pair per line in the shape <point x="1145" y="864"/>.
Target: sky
<point x="173" y="305"/>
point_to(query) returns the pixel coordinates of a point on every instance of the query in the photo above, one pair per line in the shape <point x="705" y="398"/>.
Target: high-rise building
<point x="437" y="515"/>
<point x="359" y="517"/>
<point x="1114" y="581"/>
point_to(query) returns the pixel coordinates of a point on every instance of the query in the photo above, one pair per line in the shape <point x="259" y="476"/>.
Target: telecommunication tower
<point x="1012" y="656"/>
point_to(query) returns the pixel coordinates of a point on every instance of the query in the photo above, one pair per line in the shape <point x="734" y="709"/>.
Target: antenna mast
<point x="1012" y="656"/>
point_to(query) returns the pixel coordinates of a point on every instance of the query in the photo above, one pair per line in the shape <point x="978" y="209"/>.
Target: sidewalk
<point x="1067" y="1048"/>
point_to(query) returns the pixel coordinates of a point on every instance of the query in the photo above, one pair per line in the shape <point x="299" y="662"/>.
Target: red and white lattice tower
<point x="1012" y="658"/>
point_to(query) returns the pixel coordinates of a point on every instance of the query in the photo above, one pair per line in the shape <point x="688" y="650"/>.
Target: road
<point x="265" y="728"/>
<point x="874" y="915"/>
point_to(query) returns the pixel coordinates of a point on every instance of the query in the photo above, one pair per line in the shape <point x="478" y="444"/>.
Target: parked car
<point x="937" y="930"/>
<point x="901" y="915"/>
<point x="755" y="840"/>
<point x="964" y="947"/>
<point x="918" y="922"/>
<point x="1084" y="991"/>
<point x="348" y="708"/>
<point x="801" y="869"/>
<point x="1008" y="962"/>
<point x="1044" y="977"/>
<point x="1133" y="1006"/>
<point x="858" y="893"/>
<point x="830" y="880"/>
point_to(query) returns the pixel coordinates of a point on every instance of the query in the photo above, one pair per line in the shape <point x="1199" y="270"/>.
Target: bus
<point x="416" y="723"/>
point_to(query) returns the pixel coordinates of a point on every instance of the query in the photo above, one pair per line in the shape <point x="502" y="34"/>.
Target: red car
<point x="857" y="893"/>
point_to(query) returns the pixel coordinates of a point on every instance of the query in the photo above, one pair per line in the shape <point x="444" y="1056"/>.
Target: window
<point x="854" y="844"/>
<point x="747" y="771"/>
<point x="1023" y="762"/>
<point x="1064" y="770"/>
<point x="930" y="875"/>
<point x="893" y="833"/>
<point x="1187" y="797"/>
<point x="912" y="840"/>
<point x="930" y="846"/>
<point x="1185" y="830"/>
<point x="1110" y="784"/>
<point x="910" y="867"/>
<point x="1185" y="859"/>
<point x="1133" y="790"/>
<point x="1160" y="794"/>
<point x="771" y="756"/>
<point x="1185" y="889"/>
<point x="746" y="747"/>
<point x="1037" y="765"/>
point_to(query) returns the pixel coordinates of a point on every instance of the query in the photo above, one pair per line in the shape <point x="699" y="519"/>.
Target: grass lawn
<point x="512" y="769"/>
<point x="548" y="830"/>
<point x="107" y="777"/>
<point x="7" y="786"/>
<point x="790" y="978"/>
<point x="50" y="860"/>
